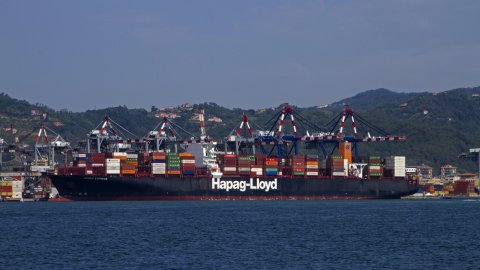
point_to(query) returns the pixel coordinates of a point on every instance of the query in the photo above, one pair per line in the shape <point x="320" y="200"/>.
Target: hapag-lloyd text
<point x="243" y="185"/>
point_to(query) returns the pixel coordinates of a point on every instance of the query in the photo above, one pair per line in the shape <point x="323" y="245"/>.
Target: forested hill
<point x="374" y="98"/>
<point x="439" y="127"/>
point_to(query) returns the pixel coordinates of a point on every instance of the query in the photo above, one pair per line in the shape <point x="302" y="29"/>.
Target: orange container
<point x="345" y="150"/>
<point x="271" y="163"/>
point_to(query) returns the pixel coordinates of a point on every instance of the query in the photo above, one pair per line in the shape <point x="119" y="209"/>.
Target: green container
<point x="247" y="158"/>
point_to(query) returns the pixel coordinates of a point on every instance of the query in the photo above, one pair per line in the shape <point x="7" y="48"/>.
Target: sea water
<point x="376" y="234"/>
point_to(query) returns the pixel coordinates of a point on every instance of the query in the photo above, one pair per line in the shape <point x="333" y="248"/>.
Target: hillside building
<point x="424" y="171"/>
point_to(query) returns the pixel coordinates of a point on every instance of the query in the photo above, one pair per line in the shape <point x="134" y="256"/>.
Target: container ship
<point x="203" y="174"/>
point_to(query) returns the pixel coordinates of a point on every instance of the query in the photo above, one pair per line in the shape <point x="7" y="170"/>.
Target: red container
<point x="98" y="170"/>
<point x="260" y="159"/>
<point x="6" y="189"/>
<point x="75" y="171"/>
<point x="244" y="162"/>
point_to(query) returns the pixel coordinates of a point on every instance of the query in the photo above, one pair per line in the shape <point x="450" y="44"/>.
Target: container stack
<point x="244" y="164"/>
<point x="463" y="187"/>
<point x="122" y="156"/>
<point x="144" y="167"/>
<point x="173" y="164"/>
<point x="260" y="159"/>
<point x="229" y="164"/>
<point x="256" y="170"/>
<point x="17" y="189"/>
<point x="282" y="166"/>
<point x="187" y="163"/>
<point x="80" y="160"/>
<point x="337" y="165"/>
<point x="98" y="159"/>
<point x="159" y="162"/>
<point x="128" y="162"/>
<point x="396" y="165"/>
<point x="144" y="159"/>
<point x="345" y="150"/>
<point x="98" y="163"/>
<point x="88" y="165"/>
<point x="298" y="165"/>
<point x="311" y="165"/>
<point x="132" y="159"/>
<point x="6" y="189"/>
<point x="127" y="168"/>
<point x="112" y="165"/>
<point x="374" y="167"/>
<point x="271" y="166"/>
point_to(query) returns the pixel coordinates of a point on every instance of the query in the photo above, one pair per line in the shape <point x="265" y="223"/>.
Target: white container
<point x="112" y="171"/>
<point x="399" y="173"/>
<point x="159" y="166"/>
<point x="313" y="173"/>
<point x="257" y="171"/>
<point x="395" y="162"/>
<point x="188" y="161"/>
<point x="114" y="165"/>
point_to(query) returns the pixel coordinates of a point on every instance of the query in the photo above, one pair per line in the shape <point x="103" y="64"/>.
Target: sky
<point x="81" y="55"/>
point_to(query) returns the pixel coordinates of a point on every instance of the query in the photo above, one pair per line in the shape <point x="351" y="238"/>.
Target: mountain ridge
<point x="436" y="129"/>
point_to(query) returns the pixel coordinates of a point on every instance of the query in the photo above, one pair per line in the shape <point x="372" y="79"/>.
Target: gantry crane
<point x="277" y="142"/>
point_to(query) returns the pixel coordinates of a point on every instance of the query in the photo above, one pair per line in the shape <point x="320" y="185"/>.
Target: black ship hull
<point x="81" y="187"/>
